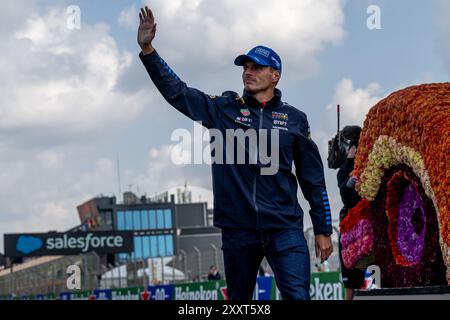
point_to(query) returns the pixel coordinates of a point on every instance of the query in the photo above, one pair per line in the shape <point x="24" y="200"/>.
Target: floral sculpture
<point x="403" y="170"/>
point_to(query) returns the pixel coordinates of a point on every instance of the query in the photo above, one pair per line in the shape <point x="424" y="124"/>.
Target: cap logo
<point x="262" y="52"/>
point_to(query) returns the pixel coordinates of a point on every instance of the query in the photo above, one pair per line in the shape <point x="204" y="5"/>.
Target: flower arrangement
<point x="406" y="216"/>
<point x="357" y="234"/>
<point x="402" y="166"/>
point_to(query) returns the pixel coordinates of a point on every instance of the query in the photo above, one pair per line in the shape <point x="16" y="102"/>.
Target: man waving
<point x="258" y="213"/>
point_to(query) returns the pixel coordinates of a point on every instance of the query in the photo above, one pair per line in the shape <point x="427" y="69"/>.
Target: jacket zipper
<point x="256" y="176"/>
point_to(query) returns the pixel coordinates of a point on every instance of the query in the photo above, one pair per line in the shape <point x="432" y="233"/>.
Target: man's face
<point x="259" y="78"/>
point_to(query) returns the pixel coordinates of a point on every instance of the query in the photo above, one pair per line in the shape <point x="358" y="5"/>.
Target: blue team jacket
<point x="243" y="197"/>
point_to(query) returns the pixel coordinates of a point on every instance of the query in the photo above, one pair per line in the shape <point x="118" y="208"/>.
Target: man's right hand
<point x="147" y="30"/>
<point x="351" y="153"/>
<point x="324" y="247"/>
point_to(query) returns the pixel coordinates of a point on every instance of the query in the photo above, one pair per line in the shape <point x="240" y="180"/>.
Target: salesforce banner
<point x="60" y="244"/>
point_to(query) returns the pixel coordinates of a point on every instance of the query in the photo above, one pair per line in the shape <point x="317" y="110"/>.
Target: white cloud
<point x="51" y="158"/>
<point x="59" y="98"/>
<point x="129" y="17"/>
<point x="354" y="102"/>
<point x="164" y="170"/>
<point x="213" y="33"/>
<point x="56" y="78"/>
<point x="12" y="13"/>
<point x="41" y="189"/>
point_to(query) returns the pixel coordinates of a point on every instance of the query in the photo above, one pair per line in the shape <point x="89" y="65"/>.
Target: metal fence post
<point x="53" y="278"/>
<point x="199" y="262"/>
<point x="216" y="255"/>
<point x="173" y="267"/>
<point x="184" y="261"/>
<point x="13" y="279"/>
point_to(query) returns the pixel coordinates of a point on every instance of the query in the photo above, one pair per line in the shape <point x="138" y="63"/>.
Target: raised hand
<point x="147" y="30"/>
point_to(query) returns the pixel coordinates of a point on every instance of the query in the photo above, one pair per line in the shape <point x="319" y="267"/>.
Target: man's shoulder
<point x="298" y="119"/>
<point x="227" y="98"/>
<point x="233" y="96"/>
<point x="230" y="94"/>
<point x="294" y="112"/>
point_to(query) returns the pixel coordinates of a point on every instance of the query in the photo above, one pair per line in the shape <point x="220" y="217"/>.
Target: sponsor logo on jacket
<point x="245" y="112"/>
<point x="280" y="116"/>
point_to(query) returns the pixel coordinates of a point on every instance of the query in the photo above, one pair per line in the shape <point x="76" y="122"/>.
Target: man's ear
<point x="276" y="76"/>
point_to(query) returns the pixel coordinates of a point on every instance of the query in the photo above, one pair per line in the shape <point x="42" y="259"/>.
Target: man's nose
<point x="248" y="72"/>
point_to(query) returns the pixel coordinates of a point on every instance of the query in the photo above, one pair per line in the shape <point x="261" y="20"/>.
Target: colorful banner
<point x="161" y="292"/>
<point x="324" y="286"/>
<point x="209" y="290"/>
<point x="105" y="294"/>
<point x="263" y="288"/>
<point x="127" y="293"/>
<point x="50" y="296"/>
<point x="76" y="295"/>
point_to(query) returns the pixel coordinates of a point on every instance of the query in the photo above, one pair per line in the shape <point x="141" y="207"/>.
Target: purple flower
<point x="409" y="242"/>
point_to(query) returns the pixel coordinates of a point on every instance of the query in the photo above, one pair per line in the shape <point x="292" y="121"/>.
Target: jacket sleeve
<point x="310" y="175"/>
<point x="349" y="196"/>
<point x="189" y="101"/>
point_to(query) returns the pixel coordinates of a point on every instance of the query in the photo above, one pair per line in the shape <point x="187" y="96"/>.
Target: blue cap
<point x="261" y="55"/>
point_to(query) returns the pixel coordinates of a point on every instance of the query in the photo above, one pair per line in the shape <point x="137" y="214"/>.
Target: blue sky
<point x="75" y="100"/>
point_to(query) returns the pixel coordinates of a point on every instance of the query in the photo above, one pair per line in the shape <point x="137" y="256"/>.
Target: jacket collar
<point x="252" y="102"/>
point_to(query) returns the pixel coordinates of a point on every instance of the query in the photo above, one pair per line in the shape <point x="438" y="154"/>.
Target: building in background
<point x="173" y="242"/>
<point x="163" y="227"/>
<point x="184" y="194"/>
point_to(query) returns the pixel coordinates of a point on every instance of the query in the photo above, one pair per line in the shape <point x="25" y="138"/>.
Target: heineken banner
<point x="324" y="286"/>
<point x="105" y="294"/>
<point x="127" y="294"/>
<point x="210" y="290"/>
<point x="76" y="295"/>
